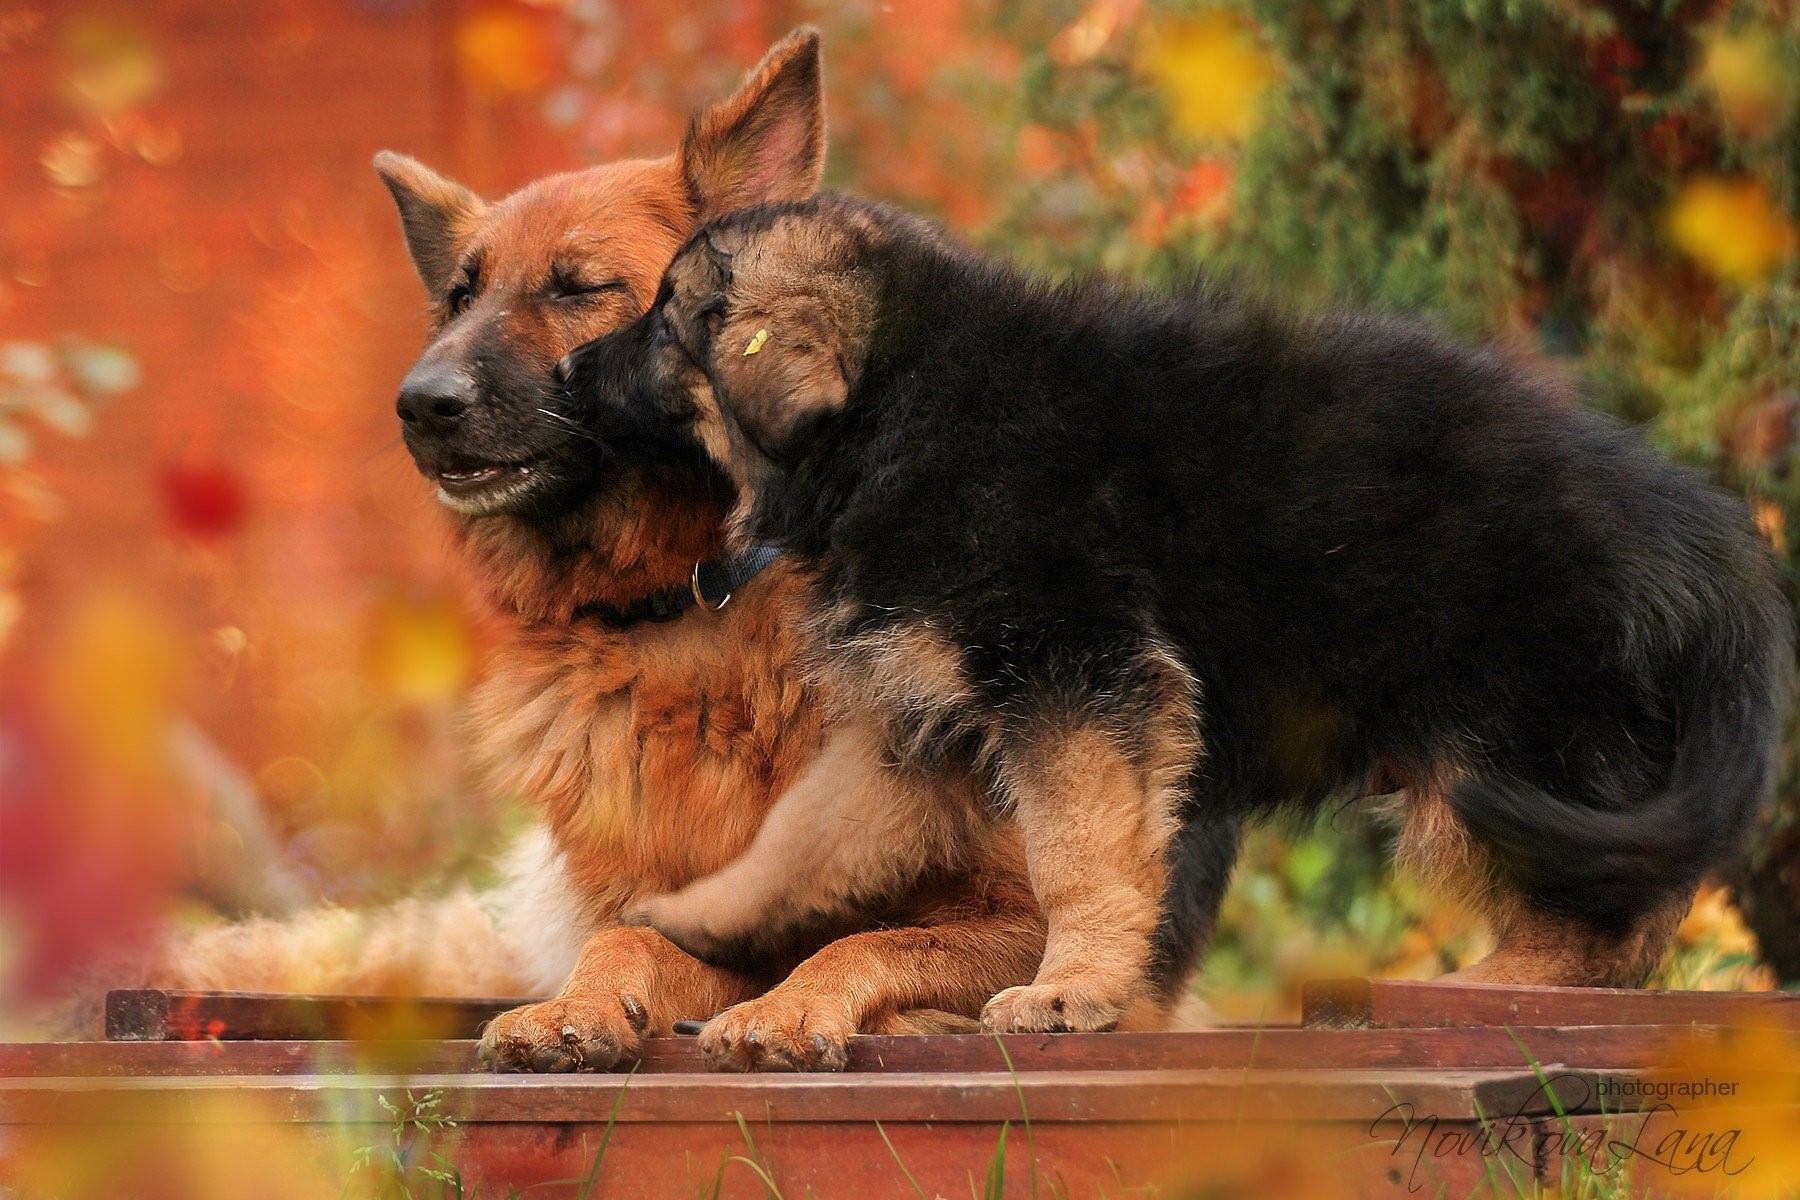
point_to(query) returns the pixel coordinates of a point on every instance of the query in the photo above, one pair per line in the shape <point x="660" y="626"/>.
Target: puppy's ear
<point x="766" y="141"/>
<point x="698" y="281"/>
<point x="436" y="213"/>
<point x="779" y="381"/>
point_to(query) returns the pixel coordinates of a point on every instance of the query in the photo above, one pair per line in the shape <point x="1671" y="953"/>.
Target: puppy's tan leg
<point x="878" y="981"/>
<point x="1543" y="949"/>
<point x="1534" y="947"/>
<point x="851" y="830"/>
<point x="627" y="984"/>
<point x="1097" y="823"/>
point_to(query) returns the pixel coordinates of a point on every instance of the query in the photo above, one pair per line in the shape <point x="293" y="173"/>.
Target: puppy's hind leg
<point x="1535" y="946"/>
<point x="851" y="832"/>
<point x="1539" y="948"/>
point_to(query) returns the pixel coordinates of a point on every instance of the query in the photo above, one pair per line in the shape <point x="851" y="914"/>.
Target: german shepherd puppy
<point x="651" y="733"/>
<point x="1149" y="565"/>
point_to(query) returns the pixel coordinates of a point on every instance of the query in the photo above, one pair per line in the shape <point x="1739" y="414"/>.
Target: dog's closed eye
<point x="566" y="285"/>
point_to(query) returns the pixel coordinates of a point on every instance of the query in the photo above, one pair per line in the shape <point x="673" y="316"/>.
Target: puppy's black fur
<point x="1382" y="556"/>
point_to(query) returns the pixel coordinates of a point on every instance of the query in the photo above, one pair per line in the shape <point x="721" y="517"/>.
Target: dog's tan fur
<point x="1095" y="806"/>
<point x="1533" y="947"/>
<point x="655" y="751"/>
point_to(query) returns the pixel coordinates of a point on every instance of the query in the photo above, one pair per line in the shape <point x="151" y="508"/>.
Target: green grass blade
<point x="996" y="1176"/>
<point x="1024" y="1114"/>
<point x="762" y="1173"/>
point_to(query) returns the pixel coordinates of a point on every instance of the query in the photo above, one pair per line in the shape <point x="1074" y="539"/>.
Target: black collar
<point x="710" y="586"/>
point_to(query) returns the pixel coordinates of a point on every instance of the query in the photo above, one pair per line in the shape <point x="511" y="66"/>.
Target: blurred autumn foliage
<point x="233" y="637"/>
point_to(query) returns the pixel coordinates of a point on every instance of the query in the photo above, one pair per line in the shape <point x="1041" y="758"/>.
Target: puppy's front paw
<point x="1051" y="1008"/>
<point x="572" y="1034"/>
<point x="678" y="918"/>
<point x="669" y="916"/>
<point x="778" y="1033"/>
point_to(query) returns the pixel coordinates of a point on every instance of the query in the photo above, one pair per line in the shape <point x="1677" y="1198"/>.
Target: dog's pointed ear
<point x="766" y="141"/>
<point x="436" y="213"/>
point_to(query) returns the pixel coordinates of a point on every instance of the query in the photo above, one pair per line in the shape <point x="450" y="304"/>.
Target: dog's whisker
<point x="572" y="426"/>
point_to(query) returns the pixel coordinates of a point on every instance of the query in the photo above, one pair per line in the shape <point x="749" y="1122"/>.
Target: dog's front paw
<point x="1051" y="1008"/>
<point x="566" y="1034"/>
<point x="778" y="1033"/>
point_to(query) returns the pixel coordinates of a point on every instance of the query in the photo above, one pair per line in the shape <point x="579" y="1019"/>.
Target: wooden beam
<point x="1406" y="1004"/>
<point x="1277" y="1048"/>
<point x="182" y="1058"/>
<point x="150" y="1014"/>
<point x="675" y="1160"/>
<point x="157" y="1015"/>
<point x="983" y="1097"/>
<point x="1283" y="1048"/>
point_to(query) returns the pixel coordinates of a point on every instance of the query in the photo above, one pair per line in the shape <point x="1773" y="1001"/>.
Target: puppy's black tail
<point x="1604" y="864"/>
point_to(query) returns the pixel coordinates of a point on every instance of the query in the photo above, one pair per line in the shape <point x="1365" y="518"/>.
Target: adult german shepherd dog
<point x="1144" y="566"/>
<point x="651" y="731"/>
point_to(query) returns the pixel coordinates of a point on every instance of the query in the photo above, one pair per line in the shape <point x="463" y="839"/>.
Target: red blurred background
<point x="232" y="636"/>
<point x="207" y="518"/>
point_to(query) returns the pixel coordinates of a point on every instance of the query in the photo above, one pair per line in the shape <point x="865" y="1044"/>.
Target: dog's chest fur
<point x="653" y="752"/>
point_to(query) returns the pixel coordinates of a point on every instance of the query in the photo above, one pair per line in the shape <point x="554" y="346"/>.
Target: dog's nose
<point x="432" y="400"/>
<point x="565" y="370"/>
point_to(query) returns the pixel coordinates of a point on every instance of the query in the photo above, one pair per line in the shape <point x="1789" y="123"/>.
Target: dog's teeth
<point x="479" y="475"/>
<point x="484" y="490"/>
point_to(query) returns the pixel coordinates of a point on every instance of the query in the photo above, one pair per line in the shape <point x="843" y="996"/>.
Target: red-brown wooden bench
<point x="1385" y="1088"/>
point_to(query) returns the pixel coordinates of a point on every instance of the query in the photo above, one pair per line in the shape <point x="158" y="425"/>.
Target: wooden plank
<point x="1629" y="1046"/>
<point x="983" y="1097"/>
<point x="156" y="1015"/>
<point x="150" y="1014"/>
<point x="206" y="1057"/>
<point x="679" y="1161"/>
<point x="1399" y="1003"/>
<point x="828" y="1160"/>
<point x="1279" y="1048"/>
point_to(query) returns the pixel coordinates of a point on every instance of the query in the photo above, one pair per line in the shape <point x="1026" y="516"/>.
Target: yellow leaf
<point x="1740" y="1108"/>
<point x="756" y="342"/>
<point x="201" y="1157"/>
<point x="1212" y="72"/>
<point x="108" y="66"/>
<point x="1748" y="77"/>
<point x="1732" y="227"/>
<point x="1714" y="918"/>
